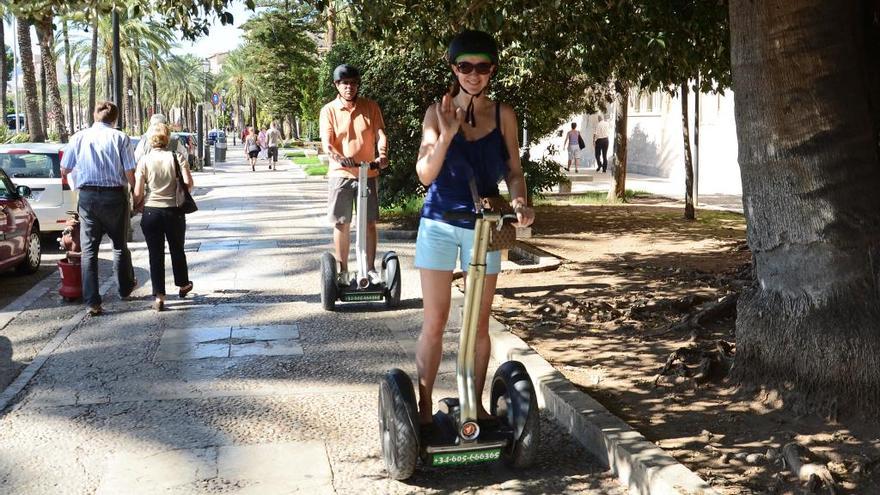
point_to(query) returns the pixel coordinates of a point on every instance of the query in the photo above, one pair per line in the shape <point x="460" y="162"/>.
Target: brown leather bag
<point x="506" y="237"/>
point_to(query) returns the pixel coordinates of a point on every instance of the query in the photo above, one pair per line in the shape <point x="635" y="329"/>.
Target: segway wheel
<point x="392" y="279"/>
<point x="398" y="422"/>
<point x="328" y="282"/>
<point x="514" y="402"/>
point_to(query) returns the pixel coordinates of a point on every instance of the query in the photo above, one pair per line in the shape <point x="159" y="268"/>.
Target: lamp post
<point x="130" y="109"/>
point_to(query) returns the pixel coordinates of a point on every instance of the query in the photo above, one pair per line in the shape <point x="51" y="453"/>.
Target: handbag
<point x="505" y="238"/>
<point x="183" y="198"/>
<point x="581" y="142"/>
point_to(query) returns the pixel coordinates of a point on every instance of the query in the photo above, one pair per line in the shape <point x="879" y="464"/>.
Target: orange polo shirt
<point x="353" y="132"/>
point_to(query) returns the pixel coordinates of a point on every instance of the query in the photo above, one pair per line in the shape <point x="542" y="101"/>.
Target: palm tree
<point x="31" y="103"/>
<point x="68" y="70"/>
<point x="55" y="110"/>
<point x="237" y="78"/>
<point x="93" y="67"/>
<point x="3" y="17"/>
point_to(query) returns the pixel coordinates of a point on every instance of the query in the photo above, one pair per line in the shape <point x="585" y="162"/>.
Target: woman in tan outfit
<point x="155" y="191"/>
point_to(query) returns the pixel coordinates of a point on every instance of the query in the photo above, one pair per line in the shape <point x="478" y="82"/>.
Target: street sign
<point x="215" y="99"/>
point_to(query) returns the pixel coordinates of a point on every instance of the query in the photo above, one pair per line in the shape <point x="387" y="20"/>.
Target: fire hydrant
<point x="71" y="271"/>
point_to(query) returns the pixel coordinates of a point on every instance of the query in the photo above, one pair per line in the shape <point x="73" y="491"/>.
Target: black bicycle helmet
<point x="472" y="42"/>
<point x="345" y="71"/>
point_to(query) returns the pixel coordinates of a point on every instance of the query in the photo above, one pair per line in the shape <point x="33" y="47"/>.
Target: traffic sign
<point x="215" y="98"/>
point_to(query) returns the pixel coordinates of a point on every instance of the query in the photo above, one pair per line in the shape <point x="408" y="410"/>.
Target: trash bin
<point x="220" y="149"/>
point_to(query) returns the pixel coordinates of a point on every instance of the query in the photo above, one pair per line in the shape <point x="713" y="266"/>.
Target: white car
<point x="38" y="166"/>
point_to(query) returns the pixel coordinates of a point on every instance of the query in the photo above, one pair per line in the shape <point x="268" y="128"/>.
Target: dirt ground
<point x="606" y="320"/>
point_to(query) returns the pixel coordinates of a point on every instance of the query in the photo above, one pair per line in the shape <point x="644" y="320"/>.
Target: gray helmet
<point x="346" y="71"/>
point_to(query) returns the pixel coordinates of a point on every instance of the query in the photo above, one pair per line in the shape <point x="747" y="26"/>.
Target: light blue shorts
<point x="439" y="245"/>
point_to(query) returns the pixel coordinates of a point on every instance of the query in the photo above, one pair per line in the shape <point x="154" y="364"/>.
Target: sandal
<point x="185" y="290"/>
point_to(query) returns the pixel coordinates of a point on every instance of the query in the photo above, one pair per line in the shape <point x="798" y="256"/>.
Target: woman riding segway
<point x="469" y="144"/>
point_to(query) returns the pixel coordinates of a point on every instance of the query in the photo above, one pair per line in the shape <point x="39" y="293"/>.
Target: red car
<point x="19" y="229"/>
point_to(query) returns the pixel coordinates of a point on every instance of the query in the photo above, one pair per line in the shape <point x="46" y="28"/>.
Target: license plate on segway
<point x="466" y="457"/>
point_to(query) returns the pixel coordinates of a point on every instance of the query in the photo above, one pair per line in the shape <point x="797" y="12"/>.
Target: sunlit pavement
<point x="247" y="385"/>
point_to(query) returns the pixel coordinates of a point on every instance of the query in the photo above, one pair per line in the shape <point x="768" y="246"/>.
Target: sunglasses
<point x="482" y="68"/>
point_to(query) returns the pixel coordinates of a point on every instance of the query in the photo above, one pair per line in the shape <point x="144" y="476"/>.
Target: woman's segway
<point x="358" y="286"/>
<point x="512" y="437"/>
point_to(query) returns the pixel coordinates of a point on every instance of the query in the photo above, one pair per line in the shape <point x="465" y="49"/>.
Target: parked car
<point x="38" y="166"/>
<point x="19" y="229"/>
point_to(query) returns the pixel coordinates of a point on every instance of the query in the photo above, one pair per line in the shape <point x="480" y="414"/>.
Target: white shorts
<point x="574" y="151"/>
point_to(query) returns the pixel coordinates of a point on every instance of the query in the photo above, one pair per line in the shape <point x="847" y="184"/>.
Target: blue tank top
<point x="485" y="159"/>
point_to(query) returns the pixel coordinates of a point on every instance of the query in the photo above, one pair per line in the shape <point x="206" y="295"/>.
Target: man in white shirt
<point x="600" y="143"/>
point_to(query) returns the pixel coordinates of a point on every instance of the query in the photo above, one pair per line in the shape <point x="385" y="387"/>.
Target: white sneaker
<point x="374" y="277"/>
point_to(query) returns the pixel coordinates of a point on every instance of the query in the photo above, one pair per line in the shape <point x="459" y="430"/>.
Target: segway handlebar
<point x="507" y="218"/>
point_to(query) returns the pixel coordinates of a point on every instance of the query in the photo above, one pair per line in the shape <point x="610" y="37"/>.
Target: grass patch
<point x="305" y="161"/>
<point x="295" y="154"/>
<point x="590" y="198"/>
<point x="315" y="169"/>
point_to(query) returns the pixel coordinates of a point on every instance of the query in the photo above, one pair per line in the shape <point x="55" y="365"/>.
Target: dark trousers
<point x="104" y="212"/>
<point x="602" y="154"/>
<point x="159" y="225"/>
<point x="273" y="154"/>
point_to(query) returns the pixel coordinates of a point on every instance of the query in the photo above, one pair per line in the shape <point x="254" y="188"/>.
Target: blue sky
<point x="221" y="38"/>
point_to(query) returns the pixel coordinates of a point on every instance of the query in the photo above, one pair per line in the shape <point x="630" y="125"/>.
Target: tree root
<point x="706" y="313"/>
<point x="804" y="464"/>
<point x="695" y="365"/>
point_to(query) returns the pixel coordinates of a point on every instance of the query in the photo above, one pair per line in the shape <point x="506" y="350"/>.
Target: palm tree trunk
<point x="31" y="100"/>
<point x="617" y="192"/>
<point x="56" y="108"/>
<point x="689" y="213"/>
<point x="154" y="71"/>
<point x="129" y="102"/>
<point x="806" y="79"/>
<point x="93" y="69"/>
<point x="3" y="71"/>
<point x="69" y="70"/>
<point x="43" y="107"/>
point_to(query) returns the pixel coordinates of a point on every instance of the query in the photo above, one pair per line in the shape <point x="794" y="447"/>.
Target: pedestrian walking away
<point x="251" y="147"/>
<point x="352" y="131"/>
<point x="264" y="149"/>
<point x="155" y="192"/>
<point x="273" y="137"/>
<point x="600" y="140"/>
<point x="103" y="161"/>
<point x="574" y="143"/>
<point x="174" y="144"/>
<point x="467" y="138"/>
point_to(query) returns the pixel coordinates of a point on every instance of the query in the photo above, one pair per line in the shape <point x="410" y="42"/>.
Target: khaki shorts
<point x="342" y="196"/>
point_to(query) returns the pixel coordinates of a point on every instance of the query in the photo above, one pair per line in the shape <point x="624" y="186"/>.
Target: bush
<point x="21" y="137"/>
<point x="290" y="143"/>
<point x="541" y="175"/>
<point x="295" y="154"/>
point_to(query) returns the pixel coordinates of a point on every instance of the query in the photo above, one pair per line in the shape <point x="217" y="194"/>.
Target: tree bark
<point x="44" y="112"/>
<point x="31" y="100"/>
<point x="93" y="70"/>
<point x="55" y="109"/>
<point x="617" y="192"/>
<point x="807" y="93"/>
<point x="689" y="212"/>
<point x="69" y="70"/>
<point x="129" y="103"/>
<point x="3" y="71"/>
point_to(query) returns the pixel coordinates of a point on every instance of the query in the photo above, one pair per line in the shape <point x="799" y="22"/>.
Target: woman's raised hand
<point x="449" y="116"/>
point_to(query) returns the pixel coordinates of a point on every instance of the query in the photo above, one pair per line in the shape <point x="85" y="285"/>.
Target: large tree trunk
<point x="44" y="111"/>
<point x="129" y="103"/>
<point x="93" y="70"/>
<point x="3" y="71"/>
<point x="31" y="100"/>
<point x="807" y="94"/>
<point x="689" y="213"/>
<point x="67" y="68"/>
<point x="617" y="191"/>
<point x="55" y="110"/>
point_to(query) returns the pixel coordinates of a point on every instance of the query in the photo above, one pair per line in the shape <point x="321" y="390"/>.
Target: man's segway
<point x="512" y="435"/>
<point x="359" y="287"/>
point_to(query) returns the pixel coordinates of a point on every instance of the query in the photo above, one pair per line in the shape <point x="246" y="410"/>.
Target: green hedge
<point x="295" y="154"/>
<point x="316" y="170"/>
<point x="306" y="160"/>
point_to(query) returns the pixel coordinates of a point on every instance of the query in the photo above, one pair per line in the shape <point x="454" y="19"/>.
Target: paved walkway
<point x="246" y="386"/>
<point x="659" y="186"/>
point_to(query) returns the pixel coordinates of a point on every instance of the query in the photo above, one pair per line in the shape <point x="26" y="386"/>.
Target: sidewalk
<point x="659" y="186"/>
<point x="246" y="386"/>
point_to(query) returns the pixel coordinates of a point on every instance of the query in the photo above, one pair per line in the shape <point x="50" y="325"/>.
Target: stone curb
<point x="639" y="465"/>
